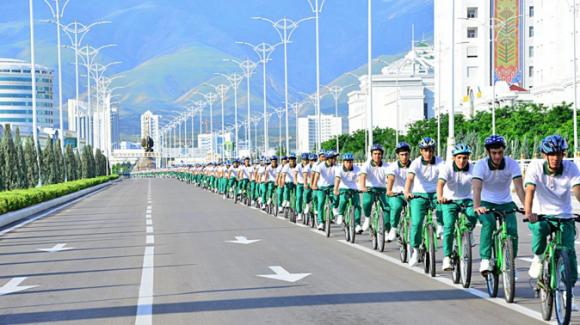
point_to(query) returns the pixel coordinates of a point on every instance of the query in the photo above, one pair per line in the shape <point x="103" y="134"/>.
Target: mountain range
<point x="169" y="48"/>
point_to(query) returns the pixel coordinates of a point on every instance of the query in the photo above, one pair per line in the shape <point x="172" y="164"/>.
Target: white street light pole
<point x="235" y="81"/>
<point x="285" y="28"/>
<point x="200" y="106"/>
<point x="211" y="98"/>
<point x="575" y="87"/>
<point x="336" y="91"/>
<point x="222" y="90"/>
<point x="315" y="100"/>
<point x="296" y="108"/>
<point x="370" y="79"/>
<point x="280" y="112"/>
<point x="33" y="75"/>
<point x="317" y="10"/>
<point x="256" y="120"/>
<point x="397" y="96"/>
<point x="264" y="51"/>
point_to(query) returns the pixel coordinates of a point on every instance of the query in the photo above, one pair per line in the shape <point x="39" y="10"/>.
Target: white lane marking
<point x="56" y="248"/>
<point x="12" y="286"/>
<point x="577" y="242"/>
<point x="243" y="240"/>
<point x="40" y="216"/>
<point x="449" y="282"/>
<point x="149" y="222"/>
<point x="145" y="303"/>
<point x="148" y="216"/>
<point x="150" y="239"/>
<point x="149" y="207"/>
<point x="148" y="201"/>
<point x="283" y="275"/>
<point x="322" y="233"/>
<point x="149" y="230"/>
<point x="526" y="259"/>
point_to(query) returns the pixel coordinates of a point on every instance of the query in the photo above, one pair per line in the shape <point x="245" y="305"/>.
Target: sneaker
<point x="307" y="209"/>
<point x="335" y="211"/>
<point x="321" y="226"/>
<point x="299" y="218"/>
<point x="485" y="267"/>
<point x="366" y="224"/>
<point x="280" y="209"/>
<point x="339" y="220"/>
<point x="472" y="238"/>
<point x="286" y="204"/>
<point x="358" y="229"/>
<point x="392" y="235"/>
<point x="269" y="201"/>
<point x="439" y="232"/>
<point x="536" y="268"/>
<point x="414" y="257"/>
<point x="447" y="264"/>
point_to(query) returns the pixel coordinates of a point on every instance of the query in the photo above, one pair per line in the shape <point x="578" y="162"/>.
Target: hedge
<point x="20" y="199"/>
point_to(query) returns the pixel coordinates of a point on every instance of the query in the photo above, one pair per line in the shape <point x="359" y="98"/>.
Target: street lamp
<point x="336" y="91"/>
<point x="285" y="28"/>
<point x="256" y="121"/>
<point x="235" y="80"/>
<point x="370" y="79"/>
<point x="264" y="51"/>
<point x="33" y="75"/>
<point x="280" y="112"/>
<point x="222" y="90"/>
<point x="200" y="104"/>
<point x="210" y="99"/>
<point x="315" y="100"/>
<point x="296" y="106"/>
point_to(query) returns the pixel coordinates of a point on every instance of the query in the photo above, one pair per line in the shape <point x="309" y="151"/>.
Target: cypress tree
<point x="59" y="159"/>
<point x="48" y="165"/>
<point x="40" y="158"/>
<point x="85" y="163"/>
<point x="78" y="166"/>
<point x="92" y="163"/>
<point x="2" y="177"/>
<point x="70" y="163"/>
<point x="22" y="170"/>
<point x="10" y="160"/>
<point x="98" y="170"/>
<point x="31" y="163"/>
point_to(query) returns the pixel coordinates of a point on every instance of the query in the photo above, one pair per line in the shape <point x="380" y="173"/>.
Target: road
<point x="159" y="251"/>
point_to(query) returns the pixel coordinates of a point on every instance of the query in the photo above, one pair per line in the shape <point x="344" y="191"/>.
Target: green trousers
<point x="489" y="224"/>
<point x="450" y="215"/>
<point x="243" y="184"/>
<point x="369" y="199"/>
<point x="396" y="204"/>
<point x="232" y="182"/>
<point x="308" y="195"/>
<point x="418" y="212"/>
<point x="299" y="198"/>
<point x="540" y="232"/>
<point x="288" y="187"/>
<point x="321" y="199"/>
<point x="355" y="203"/>
<point x="280" y="195"/>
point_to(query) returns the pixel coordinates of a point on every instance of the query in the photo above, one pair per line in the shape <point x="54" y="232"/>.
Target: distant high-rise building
<point x="331" y="126"/>
<point x="16" y="96"/>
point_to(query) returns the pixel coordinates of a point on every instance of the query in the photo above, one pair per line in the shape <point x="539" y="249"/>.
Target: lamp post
<point x="388" y="64"/>
<point x="200" y="104"/>
<point x="33" y="75"/>
<point x="316" y="7"/>
<point x="285" y="28"/>
<point x="264" y="51"/>
<point x="336" y="91"/>
<point x="235" y="80"/>
<point x="280" y="112"/>
<point x="222" y="90"/>
<point x="210" y="99"/>
<point x="256" y="120"/>
<point x="296" y="106"/>
<point x="370" y="79"/>
<point x="315" y="100"/>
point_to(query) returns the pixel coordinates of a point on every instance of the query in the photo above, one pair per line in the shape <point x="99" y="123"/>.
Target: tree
<point x="59" y="160"/>
<point x="70" y="163"/>
<point x="31" y="162"/>
<point x="99" y="168"/>
<point x="10" y="160"/>
<point x="21" y="166"/>
<point x="92" y="162"/>
<point x="49" y="173"/>
<point x="2" y="177"/>
<point x="78" y="166"/>
<point x="40" y="158"/>
<point x="85" y="162"/>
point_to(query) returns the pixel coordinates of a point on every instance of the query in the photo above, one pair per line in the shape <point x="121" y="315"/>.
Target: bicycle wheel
<point x="508" y="272"/>
<point x="346" y="226"/>
<point x="455" y="258"/>
<point x="563" y="290"/>
<point x="381" y="230"/>
<point x="287" y="213"/>
<point x="403" y="241"/>
<point x="432" y="251"/>
<point x="409" y="247"/>
<point x="352" y="226"/>
<point x="235" y="196"/>
<point x="328" y="216"/>
<point x="372" y="228"/>
<point x="546" y="294"/>
<point x="425" y="247"/>
<point x="465" y="260"/>
<point x="492" y="278"/>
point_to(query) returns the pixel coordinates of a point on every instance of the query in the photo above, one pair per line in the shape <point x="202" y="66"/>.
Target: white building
<point x="16" y="96"/>
<point x="115" y="133"/>
<point x="402" y="94"/>
<point x="150" y="127"/>
<point x="330" y="127"/>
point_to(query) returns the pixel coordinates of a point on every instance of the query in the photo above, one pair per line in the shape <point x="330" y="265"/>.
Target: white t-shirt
<point x="308" y="171"/>
<point x="262" y="171"/>
<point x="300" y="176"/>
<point x="400" y="173"/>
<point x="246" y="171"/>
<point x="458" y="183"/>
<point x="553" y="195"/>
<point x="234" y="171"/>
<point x="376" y="175"/>
<point x="271" y="173"/>
<point x="426" y="174"/>
<point x="347" y="178"/>
<point x="289" y="171"/>
<point x="326" y="177"/>
<point x="496" y="182"/>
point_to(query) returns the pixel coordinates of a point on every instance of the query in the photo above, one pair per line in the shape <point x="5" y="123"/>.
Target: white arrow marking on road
<point x="12" y="286"/>
<point x="283" y="275"/>
<point x="56" y="248"/>
<point x="243" y="240"/>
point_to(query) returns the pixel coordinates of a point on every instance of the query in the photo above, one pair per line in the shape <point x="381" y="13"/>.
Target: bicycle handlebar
<point x="542" y="217"/>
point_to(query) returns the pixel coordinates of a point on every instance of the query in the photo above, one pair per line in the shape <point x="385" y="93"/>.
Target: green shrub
<point x="20" y="199"/>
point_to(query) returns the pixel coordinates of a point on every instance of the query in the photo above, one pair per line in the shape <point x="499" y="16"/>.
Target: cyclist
<point x="271" y="177"/>
<point x="549" y="182"/>
<point x="261" y="179"/>
<point x="324" y="180"/>
<point x="232" y="174"/>
<point x="396" y="178"/>
<point x="426" y="170"/>
<point x="287" y="179"/>
<point x="345" y="182"/>
<point x="307" y="174"/>
<point x="254" y="188"/>
<point x="455" y="183"/>
<point x="373" y="175"/>
<point x="279" y="184"/>
<point x="299" y="182"/>
<point x="321" y="159"/>
<point x="492" y="177"/>
<point x="244" y="175"/>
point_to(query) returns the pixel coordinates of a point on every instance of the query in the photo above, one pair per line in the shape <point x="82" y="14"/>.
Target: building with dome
<point x="402" y="94"/>
<point x="16" y="96"/>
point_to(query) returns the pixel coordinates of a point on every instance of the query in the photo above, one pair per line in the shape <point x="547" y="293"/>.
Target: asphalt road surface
<point x="159" y="251"/>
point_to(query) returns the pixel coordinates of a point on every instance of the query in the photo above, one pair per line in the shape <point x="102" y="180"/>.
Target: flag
<point x="478" y="92"/>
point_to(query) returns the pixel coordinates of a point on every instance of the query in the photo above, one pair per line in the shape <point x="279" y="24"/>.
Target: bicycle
<point x="428" y="248"/>
<point x="377" y="223"/>
<point x="404" y="241"/>
<point x="349" y="220"/>
<point x="289" y="212"/>
<point x="503" y="253"/>
<point x="327" y="213"/>
<point x="461" y="256"/>
<point x="553" y="284"/>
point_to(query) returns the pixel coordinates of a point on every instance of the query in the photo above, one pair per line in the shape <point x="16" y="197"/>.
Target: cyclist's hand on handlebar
<point x="409" y="196"/>
<point x="481" y="210"/>
<point x="306" y="186"/>
<point x="533" y="218"/>
<point x="364" y="190"/>
<point x="315" y="188"/>
<point x="441" y="200"/>
<point x="390" y="193"/>
<point x="336" y="193"/>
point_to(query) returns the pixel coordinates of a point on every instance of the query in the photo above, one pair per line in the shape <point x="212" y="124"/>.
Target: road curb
<point x="21" y="214"/>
